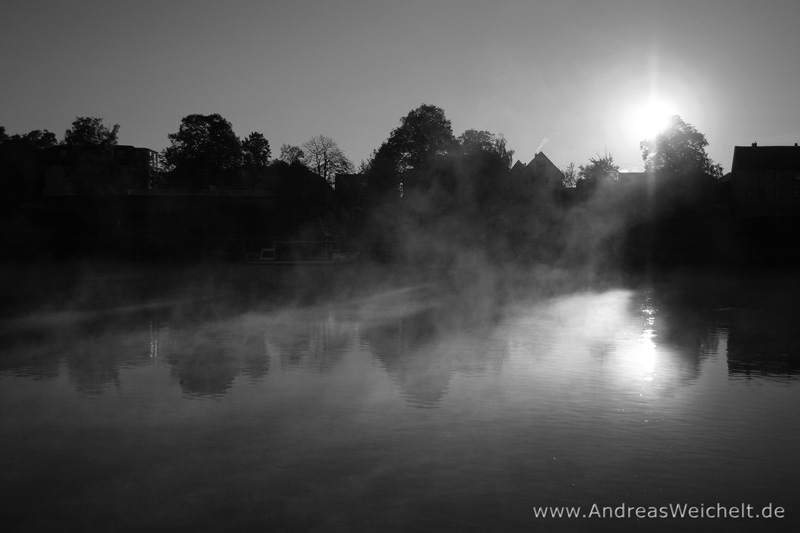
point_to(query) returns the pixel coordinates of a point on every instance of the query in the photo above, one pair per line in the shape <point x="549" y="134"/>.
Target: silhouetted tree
<point x="324" y="157"/>
<point x="36" y="139"/>
<point x="21" y="162"/>
<point x="422" y="135"/>
<point x="256" y="151"/>
<point x="599" y="168"/>
<point x="90" y="132"/>
<point x="679" y="150"/>
<point x="204" y="152"/>
<point x="290" y="154"/>
<point x="475" y="142"/>
<point x="570" y="176"/>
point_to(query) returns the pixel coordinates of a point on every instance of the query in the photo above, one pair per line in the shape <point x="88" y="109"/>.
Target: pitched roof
<point x="541" y="160"/>
<point x="765" y="158"/>
<point x="518" y="167"/>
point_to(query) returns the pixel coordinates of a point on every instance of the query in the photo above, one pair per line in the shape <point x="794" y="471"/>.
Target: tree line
<point x="425" y="194"/>
<point x="205" y="151"/>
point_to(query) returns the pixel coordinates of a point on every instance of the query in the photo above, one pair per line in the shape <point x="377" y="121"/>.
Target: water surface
<point x="133" y="403"/>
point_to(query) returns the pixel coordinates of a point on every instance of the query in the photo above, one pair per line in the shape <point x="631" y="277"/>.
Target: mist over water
<point x="239" y="398"/>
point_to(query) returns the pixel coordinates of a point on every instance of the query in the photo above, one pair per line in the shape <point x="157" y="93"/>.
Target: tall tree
<point x="570" y="176"/>
<point x="422" y="135"/>
<point x="601" y="167"/>
<point x="89" y="131"/>
<point x="256" y="151"/>
<point x="474" y="142"/>
<point x="204" y="152"/>
<point x="679" y="150"/>
<point x="290" y="154"/>
<point x="324" y="157"/>
<point x="35" y="139"/>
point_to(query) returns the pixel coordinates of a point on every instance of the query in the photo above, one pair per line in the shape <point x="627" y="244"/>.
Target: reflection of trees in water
<point x="98" y="348"/>
<point x="755" y="311"/>
<point x="91" y="350"/>
<point x="30" y="354"/>
<point x="93" y="367"/>
<point x="758" y="318"/>
<point x="421" y="352"/>
<point x="256" y="357"/>
<point x="763" y="341"/>
<point x="206" y="358"/>
<point x="682" y="330"/>
<point x="92" y="322"/>
<point x="316" y="341"/>
<point x="202" y="362"/>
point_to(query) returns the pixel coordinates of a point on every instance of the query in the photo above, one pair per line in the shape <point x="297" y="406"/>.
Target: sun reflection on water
<point x="646" y="354"/>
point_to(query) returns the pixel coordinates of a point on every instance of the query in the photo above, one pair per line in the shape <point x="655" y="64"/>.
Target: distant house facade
<point x="113" y="169"/>
<point x="765" y="180"/>
<point x="540" y="174"/>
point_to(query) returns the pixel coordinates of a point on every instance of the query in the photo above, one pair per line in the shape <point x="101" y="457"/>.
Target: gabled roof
<point x="540" y="167"/>
<point x="518" y="167"/>
<point x="765" y="158"/>
<point x="541" y="160"/>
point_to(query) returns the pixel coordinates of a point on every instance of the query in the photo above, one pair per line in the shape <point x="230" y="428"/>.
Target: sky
<point x="566" y="77"/>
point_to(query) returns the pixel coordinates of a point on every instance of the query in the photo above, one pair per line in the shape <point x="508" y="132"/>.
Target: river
<point x="130" y="403"/>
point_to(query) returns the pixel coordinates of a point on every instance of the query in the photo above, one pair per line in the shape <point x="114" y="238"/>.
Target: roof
<point x="766" y="158"/>
<point x="541" y="160"/>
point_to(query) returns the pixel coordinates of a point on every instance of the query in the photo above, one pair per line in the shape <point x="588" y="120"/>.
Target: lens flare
<point x="648" y="119"/>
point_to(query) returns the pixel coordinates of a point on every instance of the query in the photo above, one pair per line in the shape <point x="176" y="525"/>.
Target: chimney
<point x="754" y="145"/>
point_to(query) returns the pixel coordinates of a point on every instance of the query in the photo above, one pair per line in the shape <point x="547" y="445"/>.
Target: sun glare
<point x="648" y="119"/>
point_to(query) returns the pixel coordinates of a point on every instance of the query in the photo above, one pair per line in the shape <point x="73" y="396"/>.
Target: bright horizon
<point x="574" y="79"/>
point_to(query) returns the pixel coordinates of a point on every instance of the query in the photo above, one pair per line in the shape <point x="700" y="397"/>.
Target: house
<point x="539" y="174"/>
<point x="112" y="169"/>
<point x="765" y="180"/>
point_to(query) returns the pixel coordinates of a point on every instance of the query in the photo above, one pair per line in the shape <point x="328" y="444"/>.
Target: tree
<point x="570" y="176"/>
<point x="21" y="162"/>
<point x="290" y="154"/>
<point x="599" y="168"/>
<point x="90" y="132"/>
<point x="422" y="135"/>
<point x="204" y="152"/>
<point x="256" y="151"/>
<point x="35" y="139"/>
<point x="474" y="142"/>
<point x="679" y="150"/>
<point x="324" y="157"/>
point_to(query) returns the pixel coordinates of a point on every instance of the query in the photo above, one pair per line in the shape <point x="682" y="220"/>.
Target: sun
<point x="649" y="118"/>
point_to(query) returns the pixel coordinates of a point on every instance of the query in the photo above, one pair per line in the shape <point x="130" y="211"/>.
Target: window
<point x="762" y="193"/>
<point x="797" y="176"/>
<point x="778" y="193"/>
<point x="795" y="193"/>
<point x="778" y="175"/>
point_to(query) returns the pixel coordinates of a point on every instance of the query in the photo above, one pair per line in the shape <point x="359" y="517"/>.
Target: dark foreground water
<point x="128" y="403"/>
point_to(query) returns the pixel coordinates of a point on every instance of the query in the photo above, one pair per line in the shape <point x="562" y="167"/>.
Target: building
<point x="112" y="169"/>
<point x="765" y="181"/>
<point x="539" y="174"/>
